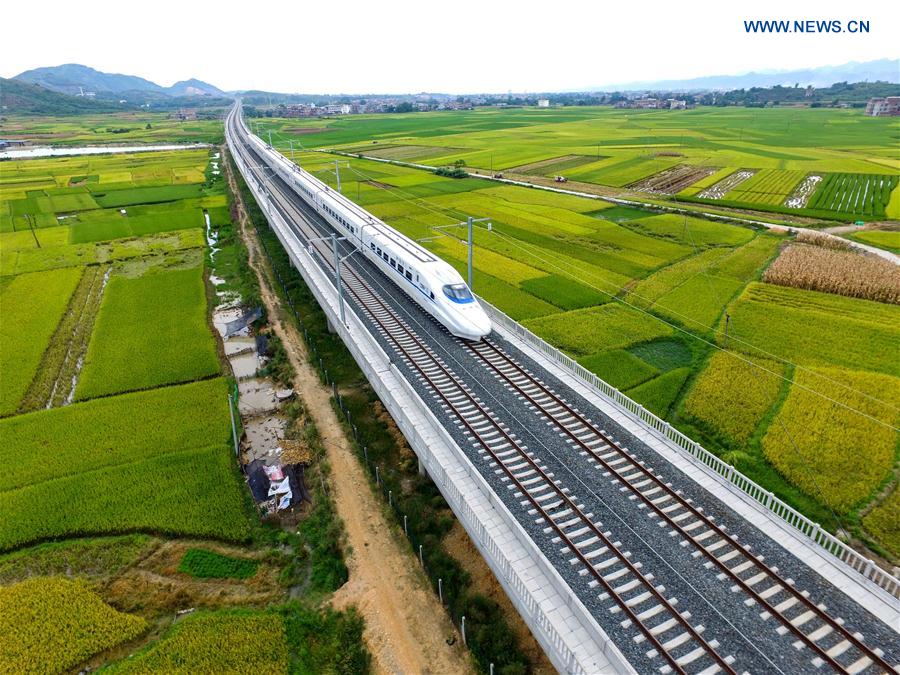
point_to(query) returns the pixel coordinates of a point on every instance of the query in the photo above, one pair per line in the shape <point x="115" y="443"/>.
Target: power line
<point x="710" y="343"/>
<point x="446" y="212"/>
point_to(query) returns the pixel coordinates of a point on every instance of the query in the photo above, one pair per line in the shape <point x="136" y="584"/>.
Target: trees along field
<point x="641" y="299"/>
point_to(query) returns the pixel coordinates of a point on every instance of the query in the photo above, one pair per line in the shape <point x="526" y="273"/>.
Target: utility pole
<point x="291" y="141"/>
<point x="337" y="275"/>
<point x="270" y="138"/>
<point x="727" y="321"/>
<point x="470" y="225"/>
<point x="470" y="239"/>
<point x="30" y="220"/>
<point x="337" y="172"/>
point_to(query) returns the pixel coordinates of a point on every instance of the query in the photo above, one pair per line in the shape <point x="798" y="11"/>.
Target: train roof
<point x="374" y="224"/>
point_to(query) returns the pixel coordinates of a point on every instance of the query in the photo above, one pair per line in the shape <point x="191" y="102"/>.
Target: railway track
<point x="671" y="638"/>
<point x="653" y="620"/>
<point x="777" y="599"/>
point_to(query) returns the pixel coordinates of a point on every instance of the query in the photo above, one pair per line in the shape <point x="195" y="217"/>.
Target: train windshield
<point x="458" y="293"/>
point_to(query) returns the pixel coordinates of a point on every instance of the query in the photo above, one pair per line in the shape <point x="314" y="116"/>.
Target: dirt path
<point x="406" y="629"/>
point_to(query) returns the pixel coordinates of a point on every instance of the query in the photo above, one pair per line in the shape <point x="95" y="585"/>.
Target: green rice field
<point x="612" y="149"/>
<point x="127" y="231"/>
<point x="644" y="299"/>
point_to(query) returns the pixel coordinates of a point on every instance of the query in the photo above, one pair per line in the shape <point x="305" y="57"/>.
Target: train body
<point x="429" y="281"/>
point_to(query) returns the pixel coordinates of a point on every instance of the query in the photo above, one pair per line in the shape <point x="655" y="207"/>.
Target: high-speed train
<point x="428" y="280"/>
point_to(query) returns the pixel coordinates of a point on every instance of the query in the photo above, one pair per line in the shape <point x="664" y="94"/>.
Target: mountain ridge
<point x="75" y="78"/>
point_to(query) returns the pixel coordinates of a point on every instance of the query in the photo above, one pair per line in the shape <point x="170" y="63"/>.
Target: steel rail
<point x="864" y="649"/>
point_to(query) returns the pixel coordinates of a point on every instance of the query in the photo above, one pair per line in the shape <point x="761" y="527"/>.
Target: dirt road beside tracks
<point x="406" y="629"/>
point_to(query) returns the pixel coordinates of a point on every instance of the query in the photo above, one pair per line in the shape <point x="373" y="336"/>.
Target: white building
<point x="543" y="103"/>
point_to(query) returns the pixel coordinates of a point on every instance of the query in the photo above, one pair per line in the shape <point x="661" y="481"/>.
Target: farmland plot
<point x="588" y="331"/>
<point x="151" y="330"/>
<point x="817" y="329"/>
<point x="731" y="396"/>
<point x="51" y="625"/>
<point x="767" y="186"/>
<point x="804" y="190"/>
<point x="555" y="165"/>
<point x="193" y="493"/>
<point x="834" y="271"/>
<point x="727" y="184"/>
<point x="32" y="305"/>
<point x="238" y="641"/>
<point x="863" y="194"/>
<point x="827" y="448"/>
<point x="104" y="432"/>
<point x="673" y="180"/>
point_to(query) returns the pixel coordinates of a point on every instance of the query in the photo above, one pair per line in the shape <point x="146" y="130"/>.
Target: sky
<point x="462" y="46"/>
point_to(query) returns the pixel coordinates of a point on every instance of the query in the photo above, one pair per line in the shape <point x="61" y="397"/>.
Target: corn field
<point x="834" y="271"/>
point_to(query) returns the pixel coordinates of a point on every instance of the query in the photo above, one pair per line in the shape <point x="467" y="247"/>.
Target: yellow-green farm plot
<point x="235" y="641"/>
<point x="154" y="461"/>
<point x="838" y="443"/>
<point x="51" y="625"/>
<point x="883" y="522"/>
<point x="31" y="306"/>
<point x="694" y="291"/>
<point x="817" y="329"/>
<point x="151" y="330"/>
<point x="588" y="331"/>
<point x="733" y="394"/>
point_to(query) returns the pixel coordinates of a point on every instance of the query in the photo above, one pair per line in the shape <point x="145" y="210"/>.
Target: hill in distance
<point x="22" y="97"/>
<point x="72" y="78"/>
<point x="883" y="70"/>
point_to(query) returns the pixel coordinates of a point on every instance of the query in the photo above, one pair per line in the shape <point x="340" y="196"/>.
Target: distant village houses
<point x="883" y="107"/>
<point x="654" y="104"/>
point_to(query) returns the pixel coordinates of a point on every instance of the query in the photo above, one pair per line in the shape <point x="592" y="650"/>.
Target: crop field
<point x="587" y="331"/>
<point x="192" y="492"/>
<point x="119" y="461"/>
<point x="157" y="460"/>
<point x="675" y="179"/>
<point x="100" y="129"/>
<point x="817" y="329"/>
<point x="24" y="332"/>
<point x="694" y="292"/>
<point x="151" y="330"/>
<point x="51" y="624"/>
<point x="560" y="263"/>
<point x="112" y="430"/>
<point x="664" y="151"/>
<point x="808" y="442"/>
<point x="883" y="523"/>
<point x="228" y="641"/>
<point x="767" y="186"/>
<point x="694" y="232"/>
<point x="886" y="239"/>
<point x="864" y="194"/>
<point x="731" y="396"/>
<point x="203" y="564"/>
<point x="833" y="271"/>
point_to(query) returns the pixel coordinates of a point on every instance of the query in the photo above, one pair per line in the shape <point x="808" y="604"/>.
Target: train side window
<point x="393" y="263"/>
<point x="385" y="256"/>
<point x="372" y="246"/>
<point x="432" y="295"/>
<point x="409" y="275"/>
<point x="400" y="268"/>
<point x="379" y="250"/>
